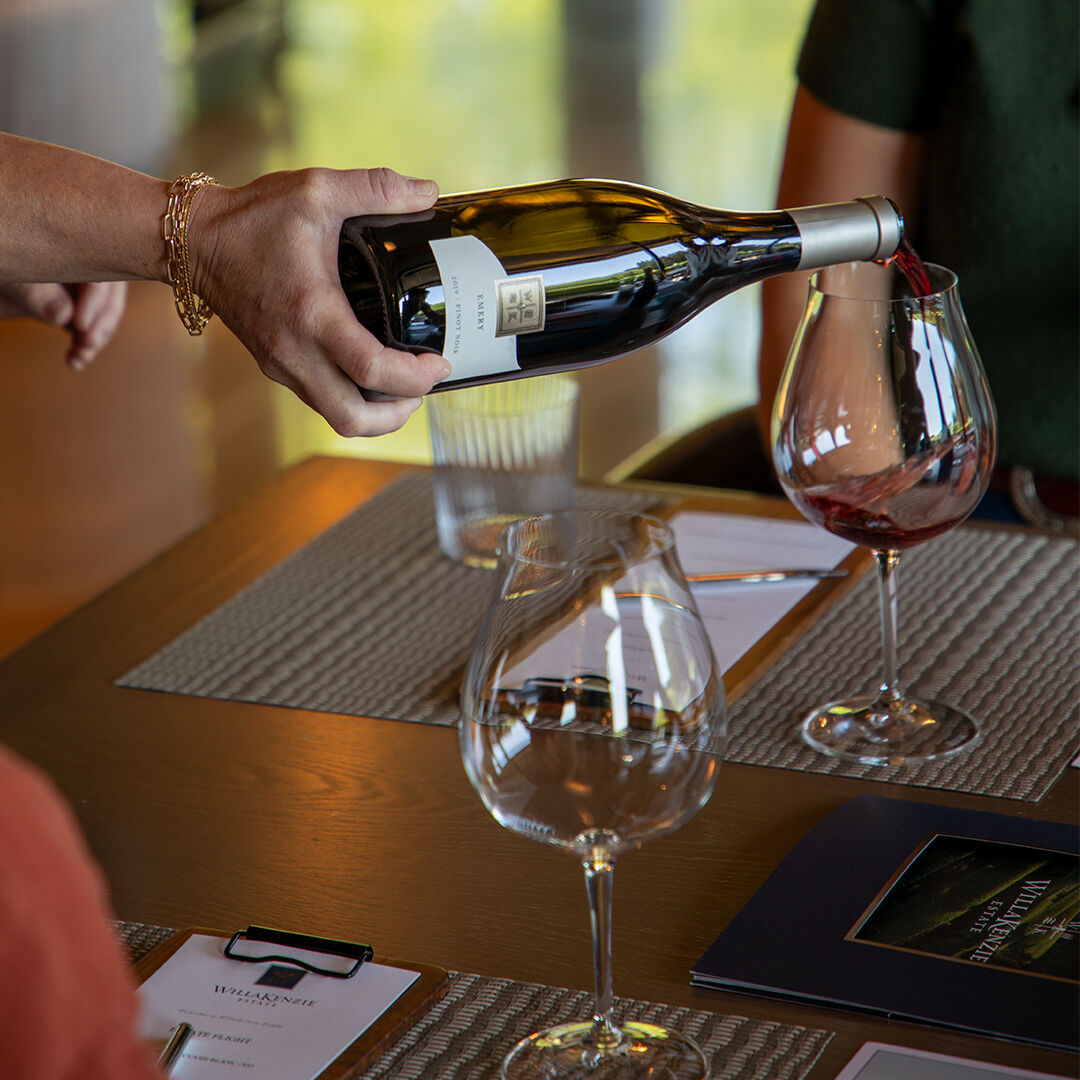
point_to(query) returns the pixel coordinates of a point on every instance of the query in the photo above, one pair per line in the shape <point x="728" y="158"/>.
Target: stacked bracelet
<point x="194" y="312"/>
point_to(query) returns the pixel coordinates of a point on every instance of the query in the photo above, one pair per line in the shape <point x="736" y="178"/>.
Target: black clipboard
<point x="427" y="989"/>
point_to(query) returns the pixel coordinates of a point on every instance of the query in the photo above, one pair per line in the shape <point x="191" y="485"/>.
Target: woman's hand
<point x="91" y="312"/>
<point x="265" y="258"/>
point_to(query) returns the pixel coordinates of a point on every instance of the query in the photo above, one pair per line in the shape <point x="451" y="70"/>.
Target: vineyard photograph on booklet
<point x="939" y="915"/>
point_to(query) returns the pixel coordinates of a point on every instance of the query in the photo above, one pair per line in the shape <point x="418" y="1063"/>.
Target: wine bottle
<point x="553" y="276"/>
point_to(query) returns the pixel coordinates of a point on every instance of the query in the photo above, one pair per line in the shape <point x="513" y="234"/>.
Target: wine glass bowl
<point x="884" y="433"/>
<point x="592" y="720"/>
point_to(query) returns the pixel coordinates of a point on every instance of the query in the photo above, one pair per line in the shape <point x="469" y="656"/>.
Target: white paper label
<point x="485" y="309"/>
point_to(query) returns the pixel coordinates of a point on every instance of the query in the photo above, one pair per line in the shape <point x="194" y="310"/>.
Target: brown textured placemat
<point x="367" y="619"/>
<point x="465" y="1035"/>
<point x="988" y="622"/>
<point x="370" y="619"/>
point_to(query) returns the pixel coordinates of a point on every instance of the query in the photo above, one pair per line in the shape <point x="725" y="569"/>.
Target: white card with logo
<point x="268" y="1019"/>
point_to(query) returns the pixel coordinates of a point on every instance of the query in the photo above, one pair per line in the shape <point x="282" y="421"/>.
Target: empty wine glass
<point x="593" y="716"/>
<point x="884" y="433"/>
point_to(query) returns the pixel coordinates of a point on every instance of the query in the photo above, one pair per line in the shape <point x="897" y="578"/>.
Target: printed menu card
<point x="270" y="1020"/>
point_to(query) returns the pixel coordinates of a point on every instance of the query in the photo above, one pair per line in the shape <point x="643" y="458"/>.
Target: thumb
<point x="384" y="191"/>
<point x="51" y="304"/>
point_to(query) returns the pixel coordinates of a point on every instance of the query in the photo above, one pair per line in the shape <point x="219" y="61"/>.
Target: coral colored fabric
<point x="67" y="1001"/>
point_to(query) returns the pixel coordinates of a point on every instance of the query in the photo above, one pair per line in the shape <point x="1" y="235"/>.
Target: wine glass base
<point x="566" y="1052"/>
<point x="876" y="731"/>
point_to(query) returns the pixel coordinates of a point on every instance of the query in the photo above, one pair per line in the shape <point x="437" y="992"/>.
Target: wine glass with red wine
<point x="884" y="433"/>
<point x="593" y="721"/>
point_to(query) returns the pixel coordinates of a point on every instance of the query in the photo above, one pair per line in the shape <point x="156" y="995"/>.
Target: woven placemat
<point x="367" y="619"/>
<point x="370" y="619"/>
<point x="139" y="939"/>
<point x="989" y="622"/>
<point x="465" y="1035"/>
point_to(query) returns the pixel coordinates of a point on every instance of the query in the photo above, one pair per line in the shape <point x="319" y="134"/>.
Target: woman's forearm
<point x="829" y="157"/>
<point x="68" y="216"/>
<point x="263" y="257"/>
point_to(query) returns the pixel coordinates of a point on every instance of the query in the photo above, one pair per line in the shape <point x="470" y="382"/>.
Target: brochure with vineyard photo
<point x="983" y="902"/>
<point x="928" y="913"/>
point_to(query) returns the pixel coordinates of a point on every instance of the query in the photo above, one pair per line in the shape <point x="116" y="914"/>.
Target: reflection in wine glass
<point x="884" y="434"/>
<point x="593" y="715"/>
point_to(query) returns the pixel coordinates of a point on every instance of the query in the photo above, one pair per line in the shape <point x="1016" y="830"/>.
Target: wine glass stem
<point x="598" y="882"/>
<point x="888" y="563"/>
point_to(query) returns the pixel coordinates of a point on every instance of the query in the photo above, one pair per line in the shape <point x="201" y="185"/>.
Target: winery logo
<point x="520" y="303"/>
<point x="284" y="977"/>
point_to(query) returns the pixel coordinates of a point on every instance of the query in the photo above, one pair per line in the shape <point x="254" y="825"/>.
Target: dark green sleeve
<point x="875" y="60"/>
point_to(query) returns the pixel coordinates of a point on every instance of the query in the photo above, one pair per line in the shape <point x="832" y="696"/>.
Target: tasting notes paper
<point x="265" y="1020"/>
<point x="739" y="615"/>
<point x="736" y="614"/>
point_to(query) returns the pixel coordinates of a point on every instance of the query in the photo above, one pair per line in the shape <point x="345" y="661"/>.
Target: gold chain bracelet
<point x="194" y="312"/>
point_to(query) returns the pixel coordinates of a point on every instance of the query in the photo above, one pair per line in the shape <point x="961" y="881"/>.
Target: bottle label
<point x="485" y="309"/>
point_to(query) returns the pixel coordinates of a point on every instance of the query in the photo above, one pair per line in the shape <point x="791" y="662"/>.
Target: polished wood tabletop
<point x="219" y="814"/>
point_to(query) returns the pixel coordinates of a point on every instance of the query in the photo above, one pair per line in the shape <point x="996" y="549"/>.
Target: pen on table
<point x="175" y="1046"/>
<point x="753" y="577"/>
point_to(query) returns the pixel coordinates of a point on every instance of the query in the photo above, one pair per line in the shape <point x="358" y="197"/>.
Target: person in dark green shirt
<point x="965" y="112"/>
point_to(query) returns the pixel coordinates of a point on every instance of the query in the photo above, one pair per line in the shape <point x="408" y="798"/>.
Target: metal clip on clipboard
<point x="350" y="950"/>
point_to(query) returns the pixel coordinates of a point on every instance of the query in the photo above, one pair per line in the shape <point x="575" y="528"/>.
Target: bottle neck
<point x="736" y="248"/>
<point x="863" y="230"/>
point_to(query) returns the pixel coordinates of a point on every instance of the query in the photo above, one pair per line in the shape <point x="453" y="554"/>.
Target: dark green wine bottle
<point x="560" y="275"/>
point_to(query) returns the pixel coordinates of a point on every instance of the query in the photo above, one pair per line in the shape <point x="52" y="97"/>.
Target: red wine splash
<point x="913" y="268"/>
<point x="906" y="504"/>
<point x="876" y="531"/>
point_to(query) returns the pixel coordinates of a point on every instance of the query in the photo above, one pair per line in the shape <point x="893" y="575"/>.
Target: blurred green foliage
<point x="467" y="91"/>
<point x="472" y="93"/>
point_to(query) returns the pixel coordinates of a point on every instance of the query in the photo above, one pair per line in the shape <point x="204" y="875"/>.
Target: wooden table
<point x="215" y="813"/>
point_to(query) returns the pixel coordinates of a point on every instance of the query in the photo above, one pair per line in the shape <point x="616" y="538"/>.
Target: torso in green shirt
<point x="995" y="87"/>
